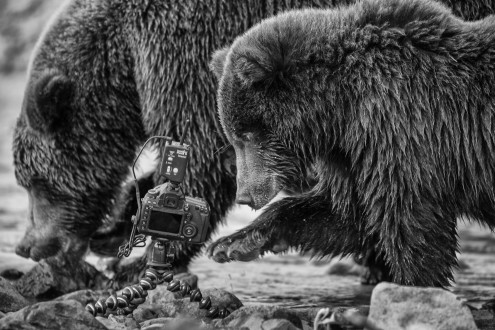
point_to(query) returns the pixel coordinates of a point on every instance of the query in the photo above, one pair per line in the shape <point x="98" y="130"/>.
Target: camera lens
<point x="189" y="230"/>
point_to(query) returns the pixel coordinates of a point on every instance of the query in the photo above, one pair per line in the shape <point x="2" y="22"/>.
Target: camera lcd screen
<point x="165" y="222"/>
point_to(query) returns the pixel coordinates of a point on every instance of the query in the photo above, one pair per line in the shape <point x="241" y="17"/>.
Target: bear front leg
<point x="307" y="223"/>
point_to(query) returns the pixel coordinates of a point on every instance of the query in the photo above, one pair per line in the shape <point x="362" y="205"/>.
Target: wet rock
<point x="84" y="297"/>
<point x="10" y="299"/>
<point x="151" y="311"/>
<point x="155" y="327"/>
<point x="52" y="315"/>
<point x="222" y="299"/>
<point x="172" y="324"/>
<point x="18" y="325"/>
<point x="159" y="320"/>
<point x="163" y="303"/>
<point x="400" y="307"/>
<point x="160" y="295"/>
<point x="44" y="281"/>
<point x="484" y="319"/>
<point x="11" y="274"/>
<point x="119" y="322"/>
<point x="188" y="278"/>
<point x="278" y="324"/>
<point x="253" y="317"/>
<point x="246" y="321"/>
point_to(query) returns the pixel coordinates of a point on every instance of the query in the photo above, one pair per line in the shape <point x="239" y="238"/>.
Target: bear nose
<point x="22" y="250"/>
<point x="243" y="198"/>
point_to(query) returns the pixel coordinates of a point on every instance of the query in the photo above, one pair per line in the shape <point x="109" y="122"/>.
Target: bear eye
<point x="244" y="137"/>
<point x="247" y="137"/>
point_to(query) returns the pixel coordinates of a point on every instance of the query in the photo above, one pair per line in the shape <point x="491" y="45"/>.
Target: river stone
<point x="146" y="312"/>
<point x="118" y="322"/>
<point x="278" y="324"/>
<point x="252" y="317"/>
<point x="45" y="281"/>
<point x="52" y="315"/>
<point x="10" y="299"/>
<point x="18" y="325"/>
<point x="11" y="274"/>
<point x="84" y="297"/>
<point x="189" y="278"/>
<point x="172" y="324"/>
<point x="401" y="307"/>
<point x="484" y="319"/>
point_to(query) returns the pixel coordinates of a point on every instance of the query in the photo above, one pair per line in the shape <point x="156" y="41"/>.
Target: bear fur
<point x="104" y="76"/>
<point x="389" y="105"/>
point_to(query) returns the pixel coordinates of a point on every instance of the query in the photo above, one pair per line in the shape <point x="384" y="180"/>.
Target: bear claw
<point x="243" y="246"/>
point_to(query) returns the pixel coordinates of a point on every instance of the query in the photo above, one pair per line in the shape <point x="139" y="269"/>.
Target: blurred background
<point x="288" y="279"/>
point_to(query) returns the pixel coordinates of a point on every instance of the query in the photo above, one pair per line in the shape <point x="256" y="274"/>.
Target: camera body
<point x="166" y="212"/>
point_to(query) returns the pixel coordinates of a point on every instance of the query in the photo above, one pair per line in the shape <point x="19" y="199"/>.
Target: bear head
<point x="259" y="108"/>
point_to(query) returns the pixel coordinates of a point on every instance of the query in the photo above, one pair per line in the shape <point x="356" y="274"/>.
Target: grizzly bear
<point x="104" y="76"/>
<point x="376" y="120"/>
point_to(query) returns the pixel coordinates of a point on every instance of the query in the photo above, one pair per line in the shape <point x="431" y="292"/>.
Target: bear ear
<point x="260" y="66"/>
<point x="218" y="61"/>
<point x="49" y="103"/>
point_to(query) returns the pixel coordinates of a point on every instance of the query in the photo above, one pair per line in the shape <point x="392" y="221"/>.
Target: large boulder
<point x="52" y="315"/>
<point x="10" y="299"/>
<point x="402" y="307"/>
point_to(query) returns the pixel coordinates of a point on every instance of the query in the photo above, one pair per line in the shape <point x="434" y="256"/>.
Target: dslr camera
<point x="165" y="211"/>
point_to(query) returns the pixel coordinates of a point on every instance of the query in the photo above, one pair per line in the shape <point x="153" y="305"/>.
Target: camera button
<point x="153" y="192"/>
<point x="189" y="230"/>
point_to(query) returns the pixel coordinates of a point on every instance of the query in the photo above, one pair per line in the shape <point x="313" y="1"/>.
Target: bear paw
<point x="245" y="245"/>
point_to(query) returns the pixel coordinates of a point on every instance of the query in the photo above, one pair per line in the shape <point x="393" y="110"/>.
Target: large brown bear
<point x="104" y="76"/>
<point x="389" y="106"/>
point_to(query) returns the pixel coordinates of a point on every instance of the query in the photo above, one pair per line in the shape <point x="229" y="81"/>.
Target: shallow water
<point x="286" y="280"/>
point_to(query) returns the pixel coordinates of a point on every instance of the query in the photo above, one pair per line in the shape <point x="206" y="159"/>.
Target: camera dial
<point x="189" y="230"/>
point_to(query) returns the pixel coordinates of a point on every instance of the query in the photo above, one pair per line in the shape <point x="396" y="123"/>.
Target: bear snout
<point x="22" y="250"/>
<point x="38" y="248"/>
<point x="243" y="197"/>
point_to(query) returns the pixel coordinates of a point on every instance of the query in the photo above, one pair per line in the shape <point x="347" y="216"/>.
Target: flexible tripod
<point x="159" y="270"/>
